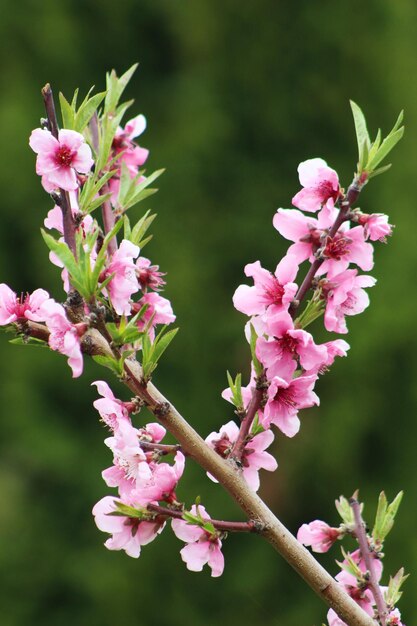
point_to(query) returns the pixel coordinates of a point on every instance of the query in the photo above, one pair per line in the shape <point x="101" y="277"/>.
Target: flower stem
<point x="369" y="561"/>
<point x="245" y="426"/>
<point x="345" y="205"/>
<point x="64" y="199"/>
<point x="238" y="527"/>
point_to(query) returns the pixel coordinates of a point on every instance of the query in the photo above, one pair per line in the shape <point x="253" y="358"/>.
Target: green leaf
<point x="23" y="340"/>
<point x="394" y="593"/>
<point x="362" y="135"/>
<point x="345" y="511"/>
<point x="65" y="255"/>
<point x="116" y="86"/>
<point x="380" y="170"/>
<point x="152" y="352"/>
<point x="87" y="110"/>
<point x="130" y="511"/>
<point x="101" y="257"/>
<point x="256" y="363"/>
<point x="67" y="112"/>
<point x="140" y="229"/>
<point x="387" y="145"/>
<point x="110" y="362"/>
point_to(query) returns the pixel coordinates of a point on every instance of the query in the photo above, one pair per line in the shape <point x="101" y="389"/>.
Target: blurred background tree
<point x="236" y="95"/>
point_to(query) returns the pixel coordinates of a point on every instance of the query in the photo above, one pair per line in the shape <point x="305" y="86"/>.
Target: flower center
<point x="288" y="343"/>
<point x="64" y="156"/>
<point x="275" y="291"/>
<point x="337" y="247"/>
<point x="285" y="396"/>
<point x="326" y="191"/>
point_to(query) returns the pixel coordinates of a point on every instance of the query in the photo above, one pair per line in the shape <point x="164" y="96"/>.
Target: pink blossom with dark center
<point x="345" y="295"/>
<point x="287" y="345"/>
<point x="132" y="155"/>
<point x="59" y="159"/>
<point x="148" y="275"/>
<point x="347" y="246"/>
<point x="24" y="307"/>
<point x="64" y="336"/>
<point x="307" y="233"/>
<point x="202" y="547"/>
<point x="254" y="456"/>
<point x="321" y="186"/>
<point x="128" y="533"/>
<point x="124" y="282"/>
<point x="276" y="289"/>
<point x="285" y="399"/>
<point x="319" y="535"/>
<point x="394" y="618"/>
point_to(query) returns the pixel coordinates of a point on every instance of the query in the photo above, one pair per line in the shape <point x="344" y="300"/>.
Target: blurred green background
<point x="236" y="94"/>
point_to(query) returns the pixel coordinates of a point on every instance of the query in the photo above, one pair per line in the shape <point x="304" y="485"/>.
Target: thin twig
<point x="369" y="561"/>
<point x="224" y="526"/>
<point x="238" y="447"/>
<point x="64" y="199"/>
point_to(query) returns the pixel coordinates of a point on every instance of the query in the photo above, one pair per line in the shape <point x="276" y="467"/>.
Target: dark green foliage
<point x="236" y="94"/>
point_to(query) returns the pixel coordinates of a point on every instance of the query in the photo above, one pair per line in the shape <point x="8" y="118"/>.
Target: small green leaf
<point x="23" y="340"/>
<point x="67" y="112"/>
<point x="87" y="110"/>
<point x="345" y="511"/>
<point x="256" y="363"/>
<point x="394" y="593"/>
<point x="387" y="145"/>
<point x="380" y="170"/>
<point x="362" y="135"/>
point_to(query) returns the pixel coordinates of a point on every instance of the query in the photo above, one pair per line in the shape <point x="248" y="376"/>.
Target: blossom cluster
<point x="142" y="479"/>
<point x="113" y="300"/>
<point x="354" y="575"/>
<point x="287" y="360"/>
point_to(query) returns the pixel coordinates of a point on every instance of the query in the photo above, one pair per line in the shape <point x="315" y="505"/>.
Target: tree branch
<point x="231" y="479"/>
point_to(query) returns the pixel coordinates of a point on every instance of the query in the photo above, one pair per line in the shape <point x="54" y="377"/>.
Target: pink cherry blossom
<point x="64" y="336"/>
<point x="124" y="282"/>
<point x="269" y="289"/>
<point x="394" y="618"/>
<point x="129" y="460"/>
<point x="285" y="399"/>
<point x="334" y="620"/>
<point x="347" y="246"/>
<point x="288" y="344"/>
<point x="160" y="484"/>
<point x="132" y="155"/>
<point x="319" y="535"/>
<point x="345" y="295"/>
<point x="159" y="311"/>
<point x="320" y="183"/>
<point x="254" y="456"/>
<point x="111" y="410"/>
<point x="376" y="226"/>
<point x="149" y="275"/>
<point x="153" y="432"/>
<point x="128" y="533"/>
<point x="25" y="307"/>
<point x="307" y="233"/>
<point x="202" y="547"/>
<point x="335" y="348"/>
<point x="59" y="159"/>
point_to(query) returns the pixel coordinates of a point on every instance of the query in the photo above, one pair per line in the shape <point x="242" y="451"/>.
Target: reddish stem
<point x="162" y="448"/>
<point x="369" y="561"/>
<point x="238" y="447"/>
<point x="64" y="200"/>
<point x="345" y="205"/>
<point x="239" y="527"/>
